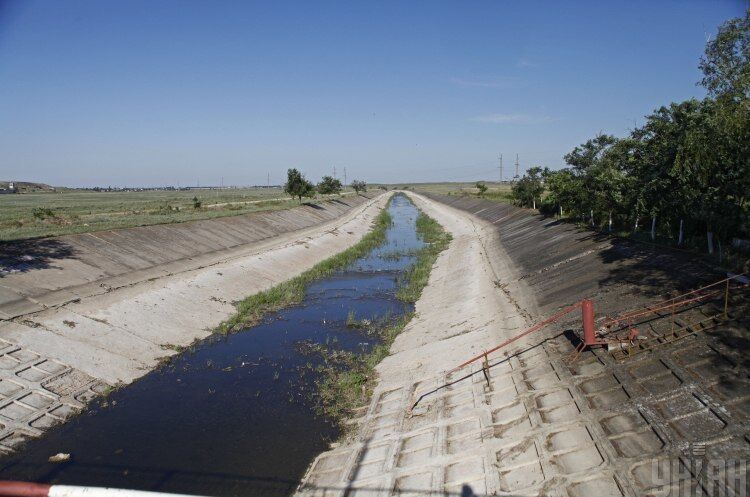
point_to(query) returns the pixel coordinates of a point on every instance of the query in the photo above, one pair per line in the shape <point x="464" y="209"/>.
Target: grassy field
<point x="496" y="191"/>
<point x="74" y="211"/>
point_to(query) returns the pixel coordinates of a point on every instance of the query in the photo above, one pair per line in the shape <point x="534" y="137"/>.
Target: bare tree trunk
<point x="653" y="228"/>
<point x="635" y="228"/>
<point x="533" y="202"/>
<point x="710" y="240"/>
<point x="592" y="218"/>
<point x="610" y="221"/>
<point x="682" y="232"/>
<point x="561" y="211"/>
<point x="718" y="243"/>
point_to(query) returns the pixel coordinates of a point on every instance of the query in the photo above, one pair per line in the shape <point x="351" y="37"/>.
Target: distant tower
<point x="268" y="180"/>
<point x="516" y="177"/>
<point x="344" y="175"/>
<point x="334" y="172"/>
<point x="501" y="168"/>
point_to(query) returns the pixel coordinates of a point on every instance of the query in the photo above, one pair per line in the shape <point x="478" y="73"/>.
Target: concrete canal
<point x="236" y="414"/>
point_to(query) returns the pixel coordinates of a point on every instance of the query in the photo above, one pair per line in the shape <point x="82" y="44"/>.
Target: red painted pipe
<point x="587" y="313"/>
<point x="23" y="489"/>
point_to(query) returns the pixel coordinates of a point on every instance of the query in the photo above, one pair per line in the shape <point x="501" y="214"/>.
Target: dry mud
<point x="86" y="312"/>
<point x="671" y="419"/>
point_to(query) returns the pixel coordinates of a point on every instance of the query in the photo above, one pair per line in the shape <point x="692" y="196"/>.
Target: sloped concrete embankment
<point x="541" y="424"/>
<point x="101" y="309"/>
<point x="39" y="274"/>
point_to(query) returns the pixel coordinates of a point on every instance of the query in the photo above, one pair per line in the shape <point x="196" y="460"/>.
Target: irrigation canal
<point x="236" y="414"/>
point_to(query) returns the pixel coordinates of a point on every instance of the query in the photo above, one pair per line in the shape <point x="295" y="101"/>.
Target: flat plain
<point x="61" y="212"/>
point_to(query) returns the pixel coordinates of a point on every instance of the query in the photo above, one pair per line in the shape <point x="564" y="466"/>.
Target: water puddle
<point x="234" y="416"/>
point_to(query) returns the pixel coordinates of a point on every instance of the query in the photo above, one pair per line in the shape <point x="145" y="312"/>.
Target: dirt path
<point x="52" y="362"/>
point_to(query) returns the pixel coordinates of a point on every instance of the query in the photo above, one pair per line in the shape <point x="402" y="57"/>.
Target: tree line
<point x="684" y="174"/>
<point x="297" y="186"/>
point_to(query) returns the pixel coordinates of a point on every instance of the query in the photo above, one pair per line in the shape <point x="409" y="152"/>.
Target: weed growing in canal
<point x="354" y="323"/>
<point x="415" y="278"/>
<point x="253" y="308"/>
<point x="348" y="378"/>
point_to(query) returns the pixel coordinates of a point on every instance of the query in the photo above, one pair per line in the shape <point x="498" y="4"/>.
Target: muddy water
<point x="237" y="415"/>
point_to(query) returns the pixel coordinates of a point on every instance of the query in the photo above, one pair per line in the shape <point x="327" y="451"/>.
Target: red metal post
<point x="587" y="312"/>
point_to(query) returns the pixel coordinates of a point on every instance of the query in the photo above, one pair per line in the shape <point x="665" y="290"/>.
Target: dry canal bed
<point x="236" y="414"/>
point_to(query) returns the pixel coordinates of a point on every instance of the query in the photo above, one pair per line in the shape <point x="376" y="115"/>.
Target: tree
<point x="197" y="203"/>
<point x="564" y="191"/>
<point x="718" y="151"/>
<point x="726" y="63"/>
<point x="297" y="186"/>
<point x="329" y="185"/>
<point x="359" y="186"/>
<point x="584" y="161"/>
<point x="527" y="189"/>
<point x="482" y="188"/>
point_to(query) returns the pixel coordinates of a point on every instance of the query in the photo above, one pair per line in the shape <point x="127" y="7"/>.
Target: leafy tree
<point x="329" y="185"/>
<point x="726" y="63"/>
<point x="527" y="189"/>
<point x="482" y="188"/>
<point x="197" y="203"/>
<point x="297" y="186"/>
<point x="564" y="191"/>
<point x="584" y="161"/>
<point x="359" y="186"/>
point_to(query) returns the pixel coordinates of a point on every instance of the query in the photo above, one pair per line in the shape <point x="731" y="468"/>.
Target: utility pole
<point x="516" y="177"/>
<point x="268" y="180"/>
<point x="344" y="176"/>
<point x="501" y="168"/>
<point x="334" y="172"/>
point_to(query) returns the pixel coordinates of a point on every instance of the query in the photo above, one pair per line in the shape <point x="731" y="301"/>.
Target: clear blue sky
<point x="160" y="92"/>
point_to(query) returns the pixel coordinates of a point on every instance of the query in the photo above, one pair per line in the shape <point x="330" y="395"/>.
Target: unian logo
<point x="697" y="474"/>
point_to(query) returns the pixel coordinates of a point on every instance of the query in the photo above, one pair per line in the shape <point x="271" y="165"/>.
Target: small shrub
<point x="482" y="188"/>
<point x="42" y="213"/>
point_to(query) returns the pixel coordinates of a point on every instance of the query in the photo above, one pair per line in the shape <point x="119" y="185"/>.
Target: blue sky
<point x="166" y="92"/>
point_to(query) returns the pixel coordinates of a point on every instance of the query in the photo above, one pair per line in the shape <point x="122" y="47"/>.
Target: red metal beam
<point x="534" y="328"/>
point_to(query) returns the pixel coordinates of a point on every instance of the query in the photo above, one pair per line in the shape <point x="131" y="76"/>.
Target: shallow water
<point x="236" y="415"/>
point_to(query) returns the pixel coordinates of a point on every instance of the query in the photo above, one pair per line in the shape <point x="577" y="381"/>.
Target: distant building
<point x="10" y="189"/>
